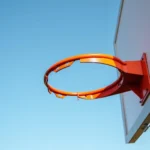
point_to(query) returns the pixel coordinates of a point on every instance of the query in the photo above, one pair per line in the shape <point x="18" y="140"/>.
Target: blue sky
<point x="35" y="34"/>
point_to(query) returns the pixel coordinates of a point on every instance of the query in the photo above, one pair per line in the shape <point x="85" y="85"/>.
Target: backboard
<point x="132" y="39"/>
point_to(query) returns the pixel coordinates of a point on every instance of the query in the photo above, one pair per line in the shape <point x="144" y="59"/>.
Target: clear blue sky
<point x="34" y="34"/>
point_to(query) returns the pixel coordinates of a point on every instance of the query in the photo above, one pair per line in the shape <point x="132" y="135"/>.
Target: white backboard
<point x="132" y="39"/>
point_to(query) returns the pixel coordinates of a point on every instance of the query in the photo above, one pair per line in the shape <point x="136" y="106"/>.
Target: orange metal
<point x="134" y="76"/>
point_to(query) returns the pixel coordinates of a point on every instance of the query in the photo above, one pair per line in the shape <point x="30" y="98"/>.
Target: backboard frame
<point x="143" y="119"/>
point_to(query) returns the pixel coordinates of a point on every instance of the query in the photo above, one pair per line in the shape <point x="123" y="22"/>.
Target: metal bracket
<point x="146" y="80"/>
<point x="147" y="125"/>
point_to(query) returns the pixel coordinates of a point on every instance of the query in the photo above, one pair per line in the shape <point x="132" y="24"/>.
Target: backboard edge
<point x="140" y="124"/>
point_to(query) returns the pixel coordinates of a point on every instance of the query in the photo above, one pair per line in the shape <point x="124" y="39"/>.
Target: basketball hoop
<point x="134" y="76"/>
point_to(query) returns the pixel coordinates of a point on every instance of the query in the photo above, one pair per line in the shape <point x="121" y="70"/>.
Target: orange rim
<point x="86" y="58"/>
